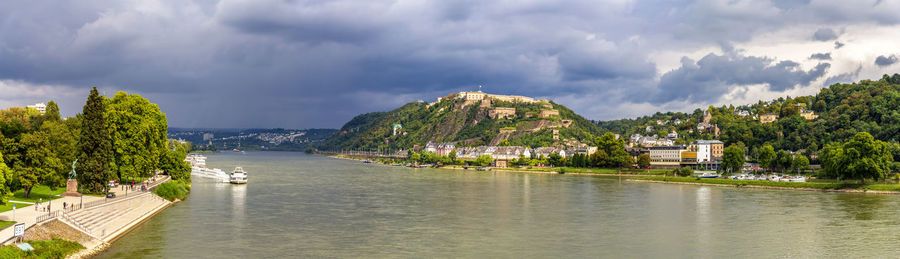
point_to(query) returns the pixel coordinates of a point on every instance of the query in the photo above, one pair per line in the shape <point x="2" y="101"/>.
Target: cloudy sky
<point x="302" y="64"/>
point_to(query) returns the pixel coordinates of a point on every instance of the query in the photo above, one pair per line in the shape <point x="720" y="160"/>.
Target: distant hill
<point x="842" y="110"/>
<point x="251" y="139"/>
<point x="466" y="119"/>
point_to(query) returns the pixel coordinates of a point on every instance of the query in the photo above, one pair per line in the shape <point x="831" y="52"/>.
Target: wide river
<point x="301" y="206"/>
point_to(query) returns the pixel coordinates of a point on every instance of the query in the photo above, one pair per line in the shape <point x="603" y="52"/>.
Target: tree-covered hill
<point x="464" y="123"/>
<point x="843" y="109"/>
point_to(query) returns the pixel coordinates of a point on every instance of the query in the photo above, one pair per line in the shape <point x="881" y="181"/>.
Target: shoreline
<point x="766" y="187"/>
<point x="662" y="182"/>
<point x="495" y="169"/>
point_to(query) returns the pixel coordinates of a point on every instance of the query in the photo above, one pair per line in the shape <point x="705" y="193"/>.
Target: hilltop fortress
<point x="478" y="96"/>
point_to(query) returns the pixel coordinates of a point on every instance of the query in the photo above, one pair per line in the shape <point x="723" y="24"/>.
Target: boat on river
<point x="238" y="176"/>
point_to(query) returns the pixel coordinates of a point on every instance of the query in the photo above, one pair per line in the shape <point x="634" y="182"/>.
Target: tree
<point x="138" y="131"/>
<point x="483" y="160"/>
<point x="95" y="146"/>
<point x="63" y="144"/>
<point x="452" y="156"/>
<point x="38" y="164"/>
<point x="52" y="112"/>
<point x="599" y="158"/>
<point x="643" y="160"/>
<point x="173" y="164"/>
<point x="860" y="158"/>
<point x="766" y="156"/>
<point x="784" y="159"/>
<point x="733" y="158"/>
<point x="556" y="160"/>
<point x="800" y="163"/>
<point x="414" y="156"/>
<point x="5" y="177"/>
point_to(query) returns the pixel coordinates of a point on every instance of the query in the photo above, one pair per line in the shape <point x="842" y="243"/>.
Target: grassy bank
<point x="38" y="193"/>
<point x="588" y="170"/>
<point x="823" y="185"/>
<point x="6" y="223"/>
<point x="172" y="190"/>
<point x="56" y="248"/>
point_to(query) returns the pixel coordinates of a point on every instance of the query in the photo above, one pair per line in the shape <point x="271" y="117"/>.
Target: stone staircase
<point x="97" y="220"/>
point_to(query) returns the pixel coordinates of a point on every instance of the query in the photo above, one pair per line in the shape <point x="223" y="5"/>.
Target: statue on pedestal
<point x="72" y="183"/>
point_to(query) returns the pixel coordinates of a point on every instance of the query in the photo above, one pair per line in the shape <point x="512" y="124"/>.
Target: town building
<point x="709" y="150"/>
<point x="666" y="156"/>
<point x="441" y="149"/>
<point x="806" y="114"/>
<point x="768" y="118"/>
<point x="580" y="150"/>
<point x="742" y="113"/>
<point x="546" y="151"/>
<point x="41" y="107"/>
<point x="636" y="151"/>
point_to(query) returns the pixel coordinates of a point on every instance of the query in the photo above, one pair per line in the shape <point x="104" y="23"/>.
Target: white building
<point x="41" y="107"/>
<point x="709" y="150"/>
<point x="666" y="155"/>
<point x="546" y="151"/>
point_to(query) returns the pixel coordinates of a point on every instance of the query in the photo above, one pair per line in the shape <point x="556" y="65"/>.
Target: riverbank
<point x="538" y="170"/>
<point x="876" y="188"/>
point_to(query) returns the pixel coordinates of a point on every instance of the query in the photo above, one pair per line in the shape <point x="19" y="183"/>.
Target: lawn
<point x="9" y="205"/>
<point x="818" y="184"/>
<point x="56" y="248"/>
<point x="5" y="223"/>
<point x="37" y="193"/>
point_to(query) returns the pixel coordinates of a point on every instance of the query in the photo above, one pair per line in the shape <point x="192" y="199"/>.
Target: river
<point x="301" y="206"/>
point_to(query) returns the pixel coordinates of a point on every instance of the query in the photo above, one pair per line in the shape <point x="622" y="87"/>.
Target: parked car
<point x="110" y="195"/>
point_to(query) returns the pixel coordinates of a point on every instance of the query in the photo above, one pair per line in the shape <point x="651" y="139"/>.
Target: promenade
<point x="99" y="217"/>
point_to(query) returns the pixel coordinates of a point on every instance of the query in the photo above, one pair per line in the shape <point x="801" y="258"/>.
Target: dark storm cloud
<point x="714" y="75"/>
<point x="883" y="61"/>
<point x="821" y="56"/>
<point x="314" y="63"/>
<point x="825" y="34"/>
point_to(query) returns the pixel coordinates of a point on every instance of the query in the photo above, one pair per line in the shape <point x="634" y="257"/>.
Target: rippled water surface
<point x="298" y="205"/>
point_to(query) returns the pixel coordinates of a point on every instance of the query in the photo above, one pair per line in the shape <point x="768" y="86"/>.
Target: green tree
<point x="556" y="160"/>
<point x="733" y="158"/>
<point x="452" y="156"/>
<point x="860" y="158"/>
<point x="5" y="176"/>
<point x="483" y="160"/>
<point x="414" y="156"/>
<point x="800" y="163"/>
<point x="95" y="145"/>
<point x="39" y="164"/>
<point x="599" y="158"/>
<point x="767" y="156"/>
<point x="138" y="131"/>
<point x="643" y="160"/>
<point x="52" y="112"/>
<point x="63" y="145"/>
<point x="173" y="164"/>
<point x="784" y="159"/>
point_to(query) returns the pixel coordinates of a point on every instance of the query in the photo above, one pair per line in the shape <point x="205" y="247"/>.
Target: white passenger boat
<point x="238" y="176"/>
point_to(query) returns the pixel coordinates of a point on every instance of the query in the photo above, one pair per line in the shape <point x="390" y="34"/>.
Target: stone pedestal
<point x="72" y="188"/>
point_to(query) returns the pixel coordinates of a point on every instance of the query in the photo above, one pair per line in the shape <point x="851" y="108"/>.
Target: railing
<point x="75" y="222"/>
<point x="46" y="217"/>
<point x="75" y="207"/>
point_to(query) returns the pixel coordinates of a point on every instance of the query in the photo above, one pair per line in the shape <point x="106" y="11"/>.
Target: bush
<point x="172" y="190"/>
<point x="56" y="248"/>
<point x="684" y="171"/>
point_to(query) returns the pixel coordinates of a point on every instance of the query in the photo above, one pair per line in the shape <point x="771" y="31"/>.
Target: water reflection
<point x="238" y="194"/>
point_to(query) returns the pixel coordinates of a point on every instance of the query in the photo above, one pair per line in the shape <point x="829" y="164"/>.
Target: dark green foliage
<point x="453" y="121"/>
<point x="95" y="145"/>
<point x="860" y="158"/>
<point x="844" y="109"/>
<point x="684" y="171"/>
<point x="733" y="158"/>
<point x="643" y="160"/>
<point x="172" y="190"/>
<point x="172" y="162"/>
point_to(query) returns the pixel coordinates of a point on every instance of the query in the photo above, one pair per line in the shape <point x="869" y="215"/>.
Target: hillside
<point x="466" y="121"/>
<point x="250" y="139"/>
<point x="842" y="109"/>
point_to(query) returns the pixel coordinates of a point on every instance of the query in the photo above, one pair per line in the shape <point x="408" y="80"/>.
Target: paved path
<point x="28" y="215"/>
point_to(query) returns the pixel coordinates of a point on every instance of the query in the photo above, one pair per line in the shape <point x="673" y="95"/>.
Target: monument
<point x="72" y="183"/>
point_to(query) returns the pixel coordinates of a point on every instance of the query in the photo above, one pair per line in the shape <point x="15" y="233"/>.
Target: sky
<point x="317" y="64"/>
